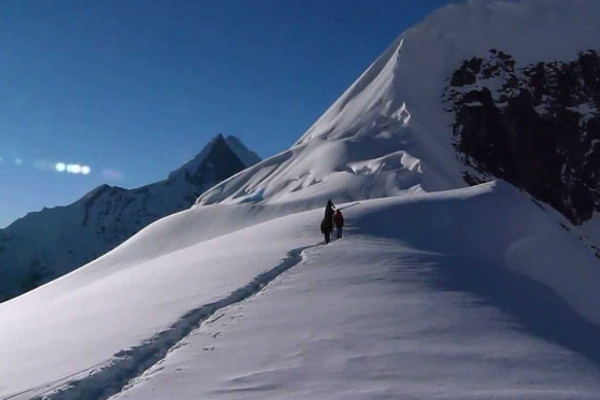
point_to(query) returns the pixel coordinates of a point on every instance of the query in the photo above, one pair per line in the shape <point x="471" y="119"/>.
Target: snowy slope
<point x="390" y="126"/>
<point x="410" y="325"/>
<point x="118" y="309"/>
<point x="44" y="245"/>
<point x="470" y="292"/>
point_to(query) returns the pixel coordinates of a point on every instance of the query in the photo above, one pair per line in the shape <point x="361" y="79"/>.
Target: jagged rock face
<point x="45" y="245"/>
<point x="537" y="127"/>
<point x="220" y="163"/>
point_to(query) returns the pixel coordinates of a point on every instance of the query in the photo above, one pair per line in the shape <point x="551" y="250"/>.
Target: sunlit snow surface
<point x="406" y="306"/>
<point x="341" y="326"/>
<point x="416" y="300"/>
<point x="467" y="293"/>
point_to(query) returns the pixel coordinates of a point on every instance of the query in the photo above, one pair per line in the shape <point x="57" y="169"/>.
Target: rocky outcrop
<point x="537" y="127"/>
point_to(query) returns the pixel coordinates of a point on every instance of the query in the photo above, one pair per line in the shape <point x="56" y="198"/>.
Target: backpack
<point x="338" y="219"/>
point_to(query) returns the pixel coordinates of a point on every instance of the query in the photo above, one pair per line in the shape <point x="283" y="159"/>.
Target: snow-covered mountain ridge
<point x="397" y="105"/>
<point x="396" y="114"/>
<point x="439" y="289"/>
<point x="47" y="244"/>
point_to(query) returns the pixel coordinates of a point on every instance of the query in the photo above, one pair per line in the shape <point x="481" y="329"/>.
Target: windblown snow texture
<point x="47" y="244"/>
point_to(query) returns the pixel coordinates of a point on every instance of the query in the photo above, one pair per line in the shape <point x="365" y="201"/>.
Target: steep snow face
<point x="412" y="72"/>
<point x="52" y="242"/>
<point x="395" y="109"/>
<point x="366" y="157"/>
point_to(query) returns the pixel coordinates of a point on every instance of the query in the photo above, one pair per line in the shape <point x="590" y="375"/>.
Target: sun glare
<point x="74" y="168"/>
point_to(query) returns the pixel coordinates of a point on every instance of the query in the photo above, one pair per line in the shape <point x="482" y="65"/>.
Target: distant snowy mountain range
<point x="47" y="244"/>
<point x="445" y="286"/>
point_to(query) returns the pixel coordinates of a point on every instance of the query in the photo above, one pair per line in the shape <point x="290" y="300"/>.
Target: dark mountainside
<point x="45" y="245"/>
<point x="536" y="126"/>
<point x="187" y="183"/>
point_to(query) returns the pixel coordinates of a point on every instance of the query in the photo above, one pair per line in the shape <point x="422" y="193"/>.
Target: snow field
<point x="372" y="318"/>
<point x="454" y="237"/>
<point x="114" y="304"/>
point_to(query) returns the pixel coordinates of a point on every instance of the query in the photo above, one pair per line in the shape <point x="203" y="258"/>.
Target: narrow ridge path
<point x="110" y="378"/>
<point x="368" y="318"/>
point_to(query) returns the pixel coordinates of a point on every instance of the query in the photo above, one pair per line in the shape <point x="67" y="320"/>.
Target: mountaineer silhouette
<point x="327" y="223"/>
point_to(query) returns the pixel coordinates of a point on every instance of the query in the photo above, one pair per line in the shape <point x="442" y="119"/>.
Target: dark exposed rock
<point x="537" y="127"/>
<point x="467" y="73"/>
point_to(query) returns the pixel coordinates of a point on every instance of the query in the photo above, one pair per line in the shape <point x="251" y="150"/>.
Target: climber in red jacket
<point x="338" y="222"/>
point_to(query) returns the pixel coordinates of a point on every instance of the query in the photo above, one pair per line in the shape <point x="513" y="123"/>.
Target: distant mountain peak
<point x="46" y="244"/>
<point x="248" y="157"/>
<point x="219" y="146"/>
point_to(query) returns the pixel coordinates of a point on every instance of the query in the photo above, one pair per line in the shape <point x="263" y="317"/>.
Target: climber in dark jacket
<point x="338" y="222"/>
<point x="327" y="223"/>
<point x="326" y="229"/>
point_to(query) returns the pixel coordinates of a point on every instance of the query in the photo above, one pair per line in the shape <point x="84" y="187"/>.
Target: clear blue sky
<point x="135" y="88"/>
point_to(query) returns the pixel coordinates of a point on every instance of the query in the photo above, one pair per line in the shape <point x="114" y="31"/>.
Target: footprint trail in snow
<point x="113" y="376"/>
